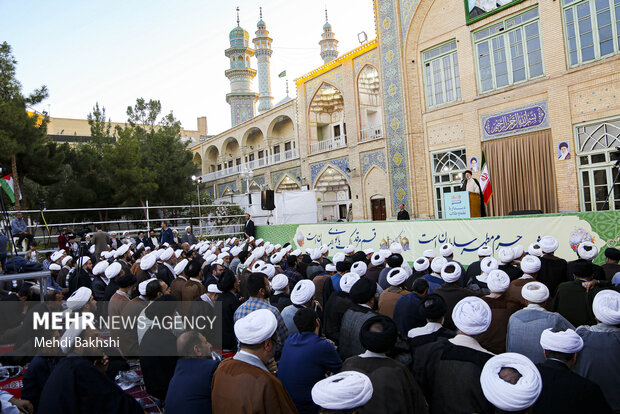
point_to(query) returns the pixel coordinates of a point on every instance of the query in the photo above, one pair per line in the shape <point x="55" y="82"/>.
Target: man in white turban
<point x="563" y="390"/>
<point x="587" y="251"/>
<point x="603" y="369"/>
<point x="314" y="268"/>
<point x="447" y="251"/>
<point x="451" y="291"/>
<point x="553" y="269"/>
<point x="473" y="269"/>
<point x="280" y="297"/>
<point x="434" y="278"/>
<point x="377" y="264"/>
<point x="526" y="326"/>
<point x="479" y="282"/>
<point x="344" y="391"/>
<point x="387" y="300"/>
<point x="246" y="382"/>
<point x="302" y="296"/>
<point x="494" y="339"/>
<point x="507" y="257"/>
<point x="530" y="265"/>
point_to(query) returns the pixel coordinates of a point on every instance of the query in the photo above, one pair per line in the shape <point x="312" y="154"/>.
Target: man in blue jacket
<point x="166" y="234"/>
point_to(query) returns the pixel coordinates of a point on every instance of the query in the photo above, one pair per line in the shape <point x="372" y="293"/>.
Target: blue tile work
<point x="333" y="77"/>
<point x="393" y="102"/>
<point x="260" y="180"/>
<point x="222" y="187"/>
<point x="528" y="118"/>
<point x="373" y="158"/>
<point x="340" y="163"/>
<point x="210" y="191"/>
<point x="407" y="7"/>
<point x="277" y="176"/>
<point x="370" y="57"/>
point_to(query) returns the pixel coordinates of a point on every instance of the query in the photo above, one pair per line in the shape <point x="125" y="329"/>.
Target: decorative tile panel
<point x="339" y="163"/>
<point x="222" y="187"/>
<point x="334" y="77"/>
<point x="528" y="118"/>
<point x="260" y="180"/>
<point x="373" y="158"/>
<point x="292" y="173"/>
<point x="370" y="57"/>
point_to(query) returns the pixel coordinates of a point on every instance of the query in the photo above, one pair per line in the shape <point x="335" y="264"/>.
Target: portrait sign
<point x="479" y="9"/>
<point x="474" y="164"/>
<point x="564" y="151"/>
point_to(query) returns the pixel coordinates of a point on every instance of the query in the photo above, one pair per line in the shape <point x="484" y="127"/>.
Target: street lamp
<point x="198" y="181"/>
<point x="247" y="175"/>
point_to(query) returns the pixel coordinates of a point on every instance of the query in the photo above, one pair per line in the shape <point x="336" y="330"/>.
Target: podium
<point x="474" y="204"/>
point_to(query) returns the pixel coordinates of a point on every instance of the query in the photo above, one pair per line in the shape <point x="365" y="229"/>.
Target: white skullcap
<point x="587" y="250"/>
<point x="257" y="265"/>
<point x="397" y="276"/>
<point x="437" y="264"/>
<point x="212" y="288"/>
<point x="348" y="280"/>
<point x="503" y="394"/>
<point x="506" y="255"/>
<point x="567" y="342"/>
<point x="530" y="264"/>
<point x="315" y="254"/>
<point x="472" y="315"/>
<point x="121" y="250"/>
<point x="178" y="253"/>
<point x="56" y="267"/>
<point x="91" y="249"/>
<point x="488" y="264"/>
<point x="303" y="292"/>
<point x="324" y="249"/>
<point x="167" y="254"/>
<point x="65" y="260"/>
<point x="338" y="257"/>
<point x="498" y="281"/>
<point x="535" y="250"/>
<point x="222" y="255"/>
<point x="396" y="248"/>
<point x="349" y="249"/>
<point x="225" y="249"/>
<point x="256" y="327"/>
<point x="113" y="270"/>
<point x="259" y="252"/>
<point x="549" y="244"/>
<point x="99" y="267"/>
<point x="296" y="253"/>
<point x="268" y="269"/>
<point x="142" y="285"/>
<point x="219" y="262"/>
<point x="446" y="250"/>
<point x="330" y="267"/>
<point x="343" y="391"/>
<point x="83" y="260"/>
<point x="429" y="254"/>
<point x="180" y="267"/>
<point x="251" y="239"/>
<point x="258" y="242"/>
<point x="450" y="277"/>
<point x="147" y="261"/>
<point x="368" y="251"/>
<point x="535" y="292"/>
<point x="276" y="257"/>
<point x="79" y="298"/>
<point x="56" y="255"/>
<point x="606" y="307"/>
<point x="166" y="245"/>
<point x="360" y="268"/>
<point x="279" y="282"/>
<point x="210" y="258"/>
<point x="421" y="264"/>
<point x="518" y="251"/>
<point x="485" y="251"/>
<point x="235" y="251"/>
<point x="377" y="259"/>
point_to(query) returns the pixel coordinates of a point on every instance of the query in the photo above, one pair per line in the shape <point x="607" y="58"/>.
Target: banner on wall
<point x="466" y="235"/>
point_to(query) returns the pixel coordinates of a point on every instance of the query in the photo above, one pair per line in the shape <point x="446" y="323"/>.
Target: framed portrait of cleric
<point x="474" y="165"/>
<point x="479" y="9"/>
<point x="564" y="151"/>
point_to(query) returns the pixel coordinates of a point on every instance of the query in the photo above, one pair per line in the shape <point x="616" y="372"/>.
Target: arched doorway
<point x="333" y="195"/>
<point x="377" y="208"/>
<point x="326" y="120"/>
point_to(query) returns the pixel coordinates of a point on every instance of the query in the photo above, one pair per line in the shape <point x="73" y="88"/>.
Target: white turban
<point x="450" y="277"/>
<point x="147" y="261"/>
<point x="178" y="253"/>
<point x="99" y="267"/>
<point x="535" y="250"/>
<point x="180" y="267"/>
<point x="258" y="242"/>
<point x="535" y="292"/>
<point x="142" y="285"/>
<point x="70" y="335"/>
<point x="485" y="251"/>
<point x="472" y="315"/>
<point x="606" y="307"/>
<point x="256" y="327"/>
<point x="397" y="276"/>
<point x="56" y="255"/>
<point x="343" y="391"/>
<point x="113" y="270"/>
<point x="303" y="292"/>
<point x="504" y="395"/>
<point x="616" y="279"/>
<point x="324" y="249"/>
<point x="396" y="248"/>
<point x="549" y="244"/>
<point x="251" y="239"/>
<point x="368" y="251"/>
<point x="330" y="267"/>
<point x="338" y="257"/>
<point x="276" y="258"/>
<point x="79" y="298"/>
<point x="121" y="250"/>
<point x="296" y="253"/>
<point x="65" y="260"/>
<point x="140" y="246"/>
<point x="349" y="249"/>
<point x="487" y="265"/>
<point x="377" y="259"/>
<point x="56" y="267"/>
<point x="315" y="254"/>
<point x="429" y="254"/>
<point x="567" y="342"/>
<point x="437" y="264"/>
<point x="235" y="251"/>
<point x="518" y="250"/>
<point x="360" y="268"/>
<point x="348" y="280"/>
<point x="82" y="261"/>
<point x="446" y="250"/>
<point x="110" y="254"/>
<point x="498" y="281"/>
<point x="506" y="255"/>
<point x="279" y="282"/>
<point x="269" y="250"/>
<point x="259" y="252"/>
<point x="421" y="264"/>
<point x="212" y="288"/>
<point x="587" y="250"/>
<point x="268" y="269"/>
<point x="257" y="265"/>
<point x="385" y="253"/>
<point x="210" y="258"/>
<point x="167" y="254"/>
<point x="203" y="249"/>
<point x="530" y="264"/>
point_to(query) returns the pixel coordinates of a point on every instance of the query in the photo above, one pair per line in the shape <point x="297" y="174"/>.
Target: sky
<point x="113" y="52"/>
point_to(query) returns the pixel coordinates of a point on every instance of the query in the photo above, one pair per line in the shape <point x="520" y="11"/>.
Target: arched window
<point x="369" y="91"/>
<point x="448" y="168"/>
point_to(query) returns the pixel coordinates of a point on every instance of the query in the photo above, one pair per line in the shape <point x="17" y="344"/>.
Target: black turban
<point x="343" y="266"/>
<point x="227" y="280"/>
<point x="363" y="290"/>
<point x="382" y="341"/>
<point x="612" y="253"/>
<point x="126" y="280"/>
<point x="433" y="307"/>
<point x="192" y="269"/>
<point x="395" y="260"/>
<point x="359" y="257"/>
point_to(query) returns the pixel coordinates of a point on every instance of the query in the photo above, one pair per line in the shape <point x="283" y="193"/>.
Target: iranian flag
<point x="7" y="184"/>
<point x="485" y="181"/>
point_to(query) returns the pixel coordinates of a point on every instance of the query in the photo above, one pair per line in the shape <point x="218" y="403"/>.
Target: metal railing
<point x="41" y="276"/>
<point x="372" y="133"/>
<point x="271" y="159"/>
<point x="328" y="144"/>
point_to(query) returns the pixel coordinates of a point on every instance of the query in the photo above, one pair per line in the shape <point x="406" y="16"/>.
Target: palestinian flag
<point x="282" y="74"/>
<point x="485" y="181"/>
<point x="7" y="184"/>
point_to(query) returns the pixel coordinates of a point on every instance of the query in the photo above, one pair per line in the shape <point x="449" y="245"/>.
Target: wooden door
<point x="378" y="209"/>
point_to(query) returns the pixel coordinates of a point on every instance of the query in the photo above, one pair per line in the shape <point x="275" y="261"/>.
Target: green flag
<point x="6" y="183"/>
<point x="282" y="74"/>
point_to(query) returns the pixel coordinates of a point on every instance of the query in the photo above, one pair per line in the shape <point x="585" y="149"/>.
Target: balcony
<point x="372" y="133"/>
<point x="252" y="165"/>
<point x="328" y="144"/>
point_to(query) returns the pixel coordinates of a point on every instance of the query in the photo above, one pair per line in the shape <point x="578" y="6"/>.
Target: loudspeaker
<point x="524" y="212"/>
<point x="266" y="200"/>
